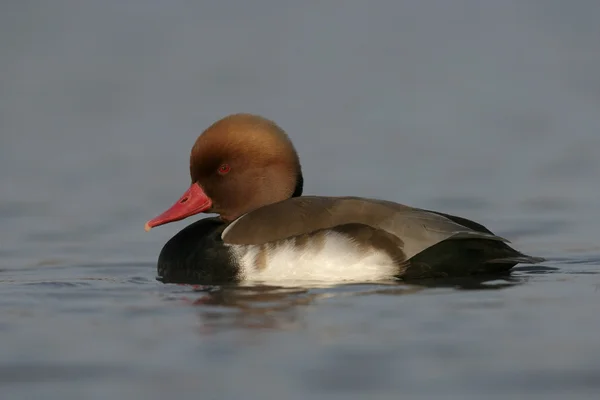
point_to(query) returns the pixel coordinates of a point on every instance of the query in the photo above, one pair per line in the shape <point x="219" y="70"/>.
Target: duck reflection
<point x="266" y="307"/>
<point x="252" y="307"/>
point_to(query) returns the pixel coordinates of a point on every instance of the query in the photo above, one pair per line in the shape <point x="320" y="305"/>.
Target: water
<point x="481" y="109"/>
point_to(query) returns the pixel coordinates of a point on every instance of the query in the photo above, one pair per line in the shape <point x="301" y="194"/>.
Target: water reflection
<point x="251" y="307"/>
<point x="277" y="307"/>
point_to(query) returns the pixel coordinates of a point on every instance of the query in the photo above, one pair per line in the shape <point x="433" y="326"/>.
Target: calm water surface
<point x="482" y="109"/>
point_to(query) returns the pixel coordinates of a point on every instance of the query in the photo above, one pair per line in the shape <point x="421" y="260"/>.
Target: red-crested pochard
<point x="245" y="168"/>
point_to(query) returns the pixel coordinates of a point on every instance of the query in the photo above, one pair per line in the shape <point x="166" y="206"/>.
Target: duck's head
<point x="240" y="163"/>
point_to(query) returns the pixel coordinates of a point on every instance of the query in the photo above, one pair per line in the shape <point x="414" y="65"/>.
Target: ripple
<point x="36" y="373"/>
<point x="57" y="284"/>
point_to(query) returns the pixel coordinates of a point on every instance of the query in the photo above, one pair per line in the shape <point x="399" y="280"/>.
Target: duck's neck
<point x="299" y="185"/>
<point x="270" y="193"/>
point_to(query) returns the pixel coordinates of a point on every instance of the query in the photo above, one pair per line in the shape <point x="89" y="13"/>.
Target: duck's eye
<point x="224" y="168"/>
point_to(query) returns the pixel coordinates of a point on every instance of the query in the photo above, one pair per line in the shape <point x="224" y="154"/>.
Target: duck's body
<point x="327" y="256"/>
<point x="268" y="232"/>
<point x="331" y="239"/>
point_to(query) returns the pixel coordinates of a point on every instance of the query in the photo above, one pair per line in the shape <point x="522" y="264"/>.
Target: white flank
<point x="338" y="259"/>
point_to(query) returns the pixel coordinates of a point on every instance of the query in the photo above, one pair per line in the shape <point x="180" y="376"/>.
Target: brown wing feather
<point x="417" y="229"/>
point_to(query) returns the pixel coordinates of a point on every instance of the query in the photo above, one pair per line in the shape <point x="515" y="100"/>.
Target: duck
<point x="245" y="169"/>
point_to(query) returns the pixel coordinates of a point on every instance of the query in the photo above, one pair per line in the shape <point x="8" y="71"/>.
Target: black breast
<point x="197" y="255"/>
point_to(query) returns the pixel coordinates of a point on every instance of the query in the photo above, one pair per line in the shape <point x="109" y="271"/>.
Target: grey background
<point x="480" y="108"/>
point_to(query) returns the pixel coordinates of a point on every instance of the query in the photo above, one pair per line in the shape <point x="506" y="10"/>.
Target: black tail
<point x="463" y="257"/>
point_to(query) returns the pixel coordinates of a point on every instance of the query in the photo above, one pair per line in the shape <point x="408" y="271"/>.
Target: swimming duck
<point x="245" y="169"/>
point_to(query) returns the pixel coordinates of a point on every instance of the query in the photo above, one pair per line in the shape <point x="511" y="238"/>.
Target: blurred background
<point x="483" y="109"/>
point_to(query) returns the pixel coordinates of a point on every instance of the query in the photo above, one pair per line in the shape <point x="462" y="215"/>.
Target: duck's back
<point x="416" y="229"/>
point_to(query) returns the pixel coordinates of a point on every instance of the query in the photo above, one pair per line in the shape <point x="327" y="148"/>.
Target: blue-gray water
<point x="488" y="110"/>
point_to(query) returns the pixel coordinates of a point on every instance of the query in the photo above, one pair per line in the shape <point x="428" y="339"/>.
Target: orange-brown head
<point x="240" y="163"/>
